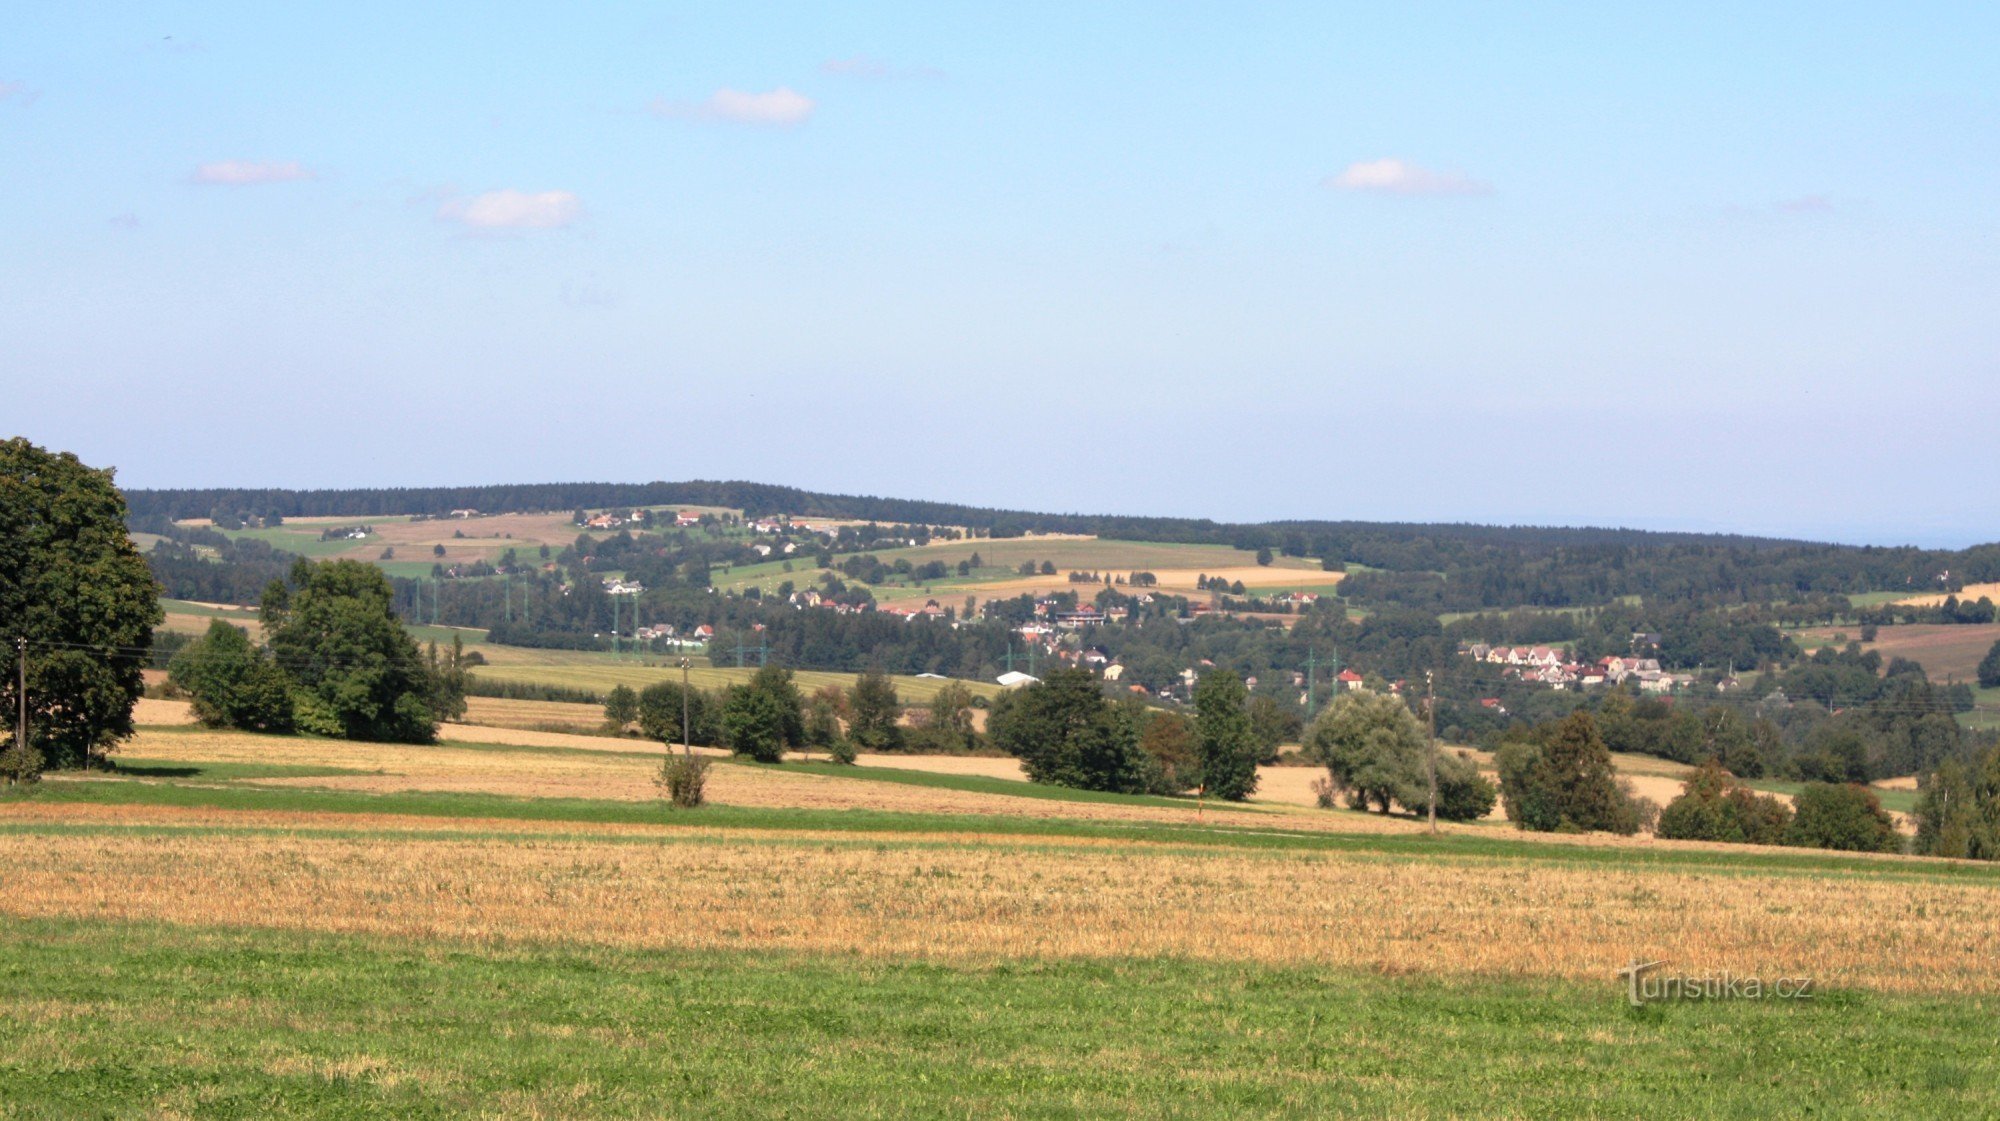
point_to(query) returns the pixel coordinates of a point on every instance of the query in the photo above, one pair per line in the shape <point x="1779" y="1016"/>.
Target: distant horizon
<point x="1089" y="512"/>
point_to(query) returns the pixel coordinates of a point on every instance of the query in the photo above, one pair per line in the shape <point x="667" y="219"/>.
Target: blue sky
<point x="1686" y="267"/>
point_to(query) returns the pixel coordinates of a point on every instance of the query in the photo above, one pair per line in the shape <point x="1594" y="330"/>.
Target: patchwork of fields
<point x="511" y="922"/>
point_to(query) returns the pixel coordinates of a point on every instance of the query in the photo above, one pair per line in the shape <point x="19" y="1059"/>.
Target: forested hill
<point x="761" y="499"/>
<point x="1455" y="567"/>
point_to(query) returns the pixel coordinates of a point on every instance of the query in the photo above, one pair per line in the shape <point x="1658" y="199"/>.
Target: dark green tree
<point x="1167" y="740"/>
<point x="1841" y="816"/>
<point x="1563" y="781"/>
<point x="359" y="674"/>
<point x="621" y="706"/>
<point x="448" y="677"/>
<point x="1989" y="668"/>
<point x="1223" y="738"/>
<point x="76" y="590"/>
<point x="753" y="723"/>
<point x="231" y="683"/>
<point x="776" y="680"/>
<point x="1274" y="725"/>
<point x="660" y="712"/>
<point x="1065" y="733"/>
<point x="1958" y="814"/>
<point x="872" y="707"/>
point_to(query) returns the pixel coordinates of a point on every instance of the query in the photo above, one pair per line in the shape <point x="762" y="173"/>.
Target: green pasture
<point x="135" y="1019"/>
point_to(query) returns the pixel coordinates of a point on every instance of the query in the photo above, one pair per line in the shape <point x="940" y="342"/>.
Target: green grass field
<point x="226" y="1014"/>
<point x="139" y="1019"/>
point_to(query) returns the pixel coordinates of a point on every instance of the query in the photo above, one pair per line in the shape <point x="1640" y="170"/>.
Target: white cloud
<point x="1806" y="204"/>
<point x="782" y="106"/>
<point x="240" y="172"/>
<point x="10" y="91"/>
<point x="512" y="210"/>
<point x="1392" y="176"/>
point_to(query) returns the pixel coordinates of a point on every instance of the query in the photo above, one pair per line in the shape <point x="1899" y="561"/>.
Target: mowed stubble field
<point x="510" y="923"/>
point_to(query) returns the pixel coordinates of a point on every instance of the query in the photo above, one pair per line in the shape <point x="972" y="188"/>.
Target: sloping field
<point x="601" y="673"/>
<point x="1947" y="653"/>
<point x="1972" y="593"/>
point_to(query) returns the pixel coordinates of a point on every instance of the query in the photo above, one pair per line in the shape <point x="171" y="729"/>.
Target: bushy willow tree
<point x="1374" y="750"/>
<point x="76" y="590"/>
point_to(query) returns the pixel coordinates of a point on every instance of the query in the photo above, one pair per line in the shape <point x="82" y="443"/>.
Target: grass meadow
<point x="511" y="923"/>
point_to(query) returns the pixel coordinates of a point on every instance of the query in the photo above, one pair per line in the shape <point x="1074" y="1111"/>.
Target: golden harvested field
<point x="503" y="713"/>
<point x="1972" y="593"/>
<point x="995" y="900"/>
<point x="1947" y="653"/>
<point x="601" y="767"/>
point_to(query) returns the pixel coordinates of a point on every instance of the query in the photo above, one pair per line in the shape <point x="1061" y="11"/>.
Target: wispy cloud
<point x="863" y="66"/>
<point x="782" y="107"/>
<point x="1392" y="176"/>
<point x="238" y="173"/>
<point x="1806" y="204"/>
<point x="18" y="91"/>
<point x="125" y="221"/>
<point x="512" y="210"/>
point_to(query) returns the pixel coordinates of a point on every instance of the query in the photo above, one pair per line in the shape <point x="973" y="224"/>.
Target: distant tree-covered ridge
<point x="1456" y="567"/>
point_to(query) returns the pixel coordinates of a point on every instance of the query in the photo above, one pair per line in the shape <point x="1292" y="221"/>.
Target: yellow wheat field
<point x="1000" y="900"/>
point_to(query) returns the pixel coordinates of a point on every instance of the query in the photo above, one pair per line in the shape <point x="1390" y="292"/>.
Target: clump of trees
<point x="1375" y="753"/>
<point x="231" y="683"/>
<point x="1842" y="816"/>
<point x="664" y="705"/>
<point x="336" y="662"/>
<point x="1713" y="806"/>
<point x="1560" y="780"/>
<point x="1958" y="813"/>
<point x="1066" y="733"/>
<point x="764" y="718"/>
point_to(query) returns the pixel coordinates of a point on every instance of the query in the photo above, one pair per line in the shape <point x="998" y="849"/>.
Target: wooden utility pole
<point x="21" y="694"/>
<point x="1431" y="744"/>
<point x="687" y="740"/>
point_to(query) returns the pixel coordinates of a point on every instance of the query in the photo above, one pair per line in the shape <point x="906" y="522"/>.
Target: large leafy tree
<point x="1373" y="748"/>
<point x="1989" y="668"/>
<point x="1223" y="738"/>
<point x="360" y="675"/>
<point x="73" y="587"/>
<point x="1065" y="733"/>
<point x="232" y="683"/>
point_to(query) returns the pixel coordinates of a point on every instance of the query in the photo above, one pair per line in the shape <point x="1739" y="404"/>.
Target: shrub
<point x="20" y="765"/>
<point x="1842" y="816"/>
<point x="1713" y="806"/>
<point x="842" y="751"/>
<point x="683" y="779"/>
